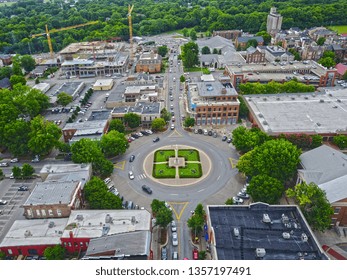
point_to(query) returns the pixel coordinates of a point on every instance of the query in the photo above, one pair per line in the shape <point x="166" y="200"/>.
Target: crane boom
<point x="48" y="32"/>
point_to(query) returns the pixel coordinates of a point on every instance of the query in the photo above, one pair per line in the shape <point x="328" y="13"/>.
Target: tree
<point x="245" y="140"/>
<point x="265" y="189"/>
<point x="327" y="62"/>
<point x="205" y="50"/>
<point x="158" y="124"/>
<point x="193" y="35"/>
<point x="252" y="43"/>
<point x="56" y="252"/>
<point x="44" y="135"/>
<point x="17" y="172"/>
<point x="229" y="201"/>
<point x="196" y="224"/>
<point x="321" y="41"/>
<point x="86" y="151"/>
<point x="340" y="141"/>
<point x="156" y="205"/>
<point x="162" y="50"/>
<point x="117" y="125"/>
<point x="243" y="111"/>
<point x="185" y="32"/>
<point x="15" y="79"/>
<point x="317" y="140"/>
<point x="27" y="62"/>
<point x="313" y="204"/>
<point x="27" y="171"/>
<point x="16" y="137"/>
<point x="163" y="217"/>
<point x="266" y="37"/>
<point x="297" y="56"/>
<point x="17" y="69"/>
<point x="164" y="114"/>
<point x="190" y="52"/>
<point x="182" y="79"/>
<point x="189" y="122"/>
<point x="1" y="177"/>
<point x="215" y="51"/>
<point x="275" y="158"/>
<point x="63" y="98"/>
<point x="113" y="143"/>
<point x="132" y="120"/>
<point x="202" y="255"/>
<point x="102" y="167"/>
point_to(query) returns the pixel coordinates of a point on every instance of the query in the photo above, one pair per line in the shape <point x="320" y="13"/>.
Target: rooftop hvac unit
<point x="79" y="217"/>
<point x="306" y="97"/>
<point x="260" y="115"/>
<point x="266" y="218"/>
<point x="321" y="101"/>
<point x="278" y="98"/>
<point x="260" y="252"/>
<point x="286" y="235"/>
<point x="108" y="218"/>
<point x="51" y="224"/>
<point x="265" y="122"/>
<point x="285" y="219"/>
<point x="339" y="100"/>
<point x="304" y="237"/>
<point x="293" y="98"/>
<point x="236" y="232"/>
<point x="264" y="98"/>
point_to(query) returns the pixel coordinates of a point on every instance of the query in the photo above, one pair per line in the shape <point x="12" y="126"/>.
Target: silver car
<point x="131" y="175"/>
<point x="174" y="239"/>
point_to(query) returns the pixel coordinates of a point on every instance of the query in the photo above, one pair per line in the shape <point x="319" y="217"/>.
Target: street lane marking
<point x="176" y="208"/>
<point x="119" y="165"/>
<point x="233" y="162"/>
<point x="201" y="190"/>
<point x="175" y="134"/>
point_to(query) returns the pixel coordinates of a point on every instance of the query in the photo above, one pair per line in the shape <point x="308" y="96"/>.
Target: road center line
<point x="201" y="190"/>
<point x="173" y="193"/>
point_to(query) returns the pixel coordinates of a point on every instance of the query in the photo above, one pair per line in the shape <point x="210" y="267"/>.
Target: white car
<point x="107" y="181"/>
<point x="149" y="131"/>
<point x="14" y="160"/>
<point x="131" y="175"/>
<point x="172" y="127"/>
<point x="173" y="226"/>
<point x="3" y="202"/>
<point x="174" y="239"/>
<point x="237" y="200"/>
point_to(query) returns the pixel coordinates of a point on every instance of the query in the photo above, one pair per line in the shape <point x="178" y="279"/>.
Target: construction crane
<point x="48" y="32"/>
<point x="130" y="9"/>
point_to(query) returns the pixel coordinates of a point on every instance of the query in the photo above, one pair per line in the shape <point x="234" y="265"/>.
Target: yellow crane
<point x="130" y="9"/>
<point x="48" y="32"/>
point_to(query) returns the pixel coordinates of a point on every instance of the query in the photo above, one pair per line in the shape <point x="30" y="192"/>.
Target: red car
<point x="195" y="254"/>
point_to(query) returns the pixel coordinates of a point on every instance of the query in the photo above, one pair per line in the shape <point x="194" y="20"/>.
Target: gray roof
<point x="216" y="42"/>
<point x="215" y="88"/>
<point x="70" y="88"/>
<point x="139" y="107"/>
<point x="327" y="168"/>
<point x="209" y="58"/>
<point x="120" y="246"/>
<point x="52" y="193"/>
<point x="254" y="233"/>
<point x="245" y="39"/>
<point x="97" y="125"/>
<point x="99" y="115"/>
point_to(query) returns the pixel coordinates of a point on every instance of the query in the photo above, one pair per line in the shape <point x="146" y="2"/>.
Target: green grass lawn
<point x="163" y="155"/>
<point x="339" y="28"/>
<point x="162" y="170"/>
<point x="189" y="154"/>
<point x="192" y="170"/>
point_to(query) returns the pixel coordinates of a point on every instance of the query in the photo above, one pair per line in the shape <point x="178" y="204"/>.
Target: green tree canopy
<point x="44" y="136"/>
<point x="27" y="171"/>
<point x="63" y="98"/>
<point x="276" y="158"/>
<point x="56" y="252"/>
<point x="16" y="137"/>
<point x="27" y="62"/>
<point x="158" y="124"/>
<point x="321" y="41"/>
<point x="132" y="120"/>
<point x="15" y="79"/>
<point x="243" y="111"/>
<point x="345" y="76"/>
<point x="266" y="37"/>
<point x="113" y="143"/>
<point x="189" y="122"/>
<point x="252" y="43"/>
<point x="190" y="52"/>
<point x="163" y="217"/>
<point x="164" y="114"/>
<point x="86" y="151"/>
<point x="340" y="141"/>
<point x="182" y="79"/>
<point x="117" y="125"/>
<point x="193" y="35"/>
<point x="265" y="189"/>
<point x="162" y="50"/>
<point x="245" y="139"/>
<point x="313" y="204"/>
<point x="17" y="172"/>
<point x="156" y="205"/>
<point x="205" y="50"/>
<point x="229" y="201"/>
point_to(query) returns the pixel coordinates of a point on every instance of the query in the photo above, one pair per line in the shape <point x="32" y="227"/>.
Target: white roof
<point x="103" y="82"/>
<point x="35" y="232"/>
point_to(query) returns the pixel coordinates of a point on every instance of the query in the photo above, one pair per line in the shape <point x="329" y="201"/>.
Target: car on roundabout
<point x="147" y="189"/>
<point x="132" y="158"/>
<point x="156" y="139"/>
<point x="131" y="175"/>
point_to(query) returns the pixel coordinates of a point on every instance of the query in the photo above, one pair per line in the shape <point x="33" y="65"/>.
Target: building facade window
<point x="337" y="210"/>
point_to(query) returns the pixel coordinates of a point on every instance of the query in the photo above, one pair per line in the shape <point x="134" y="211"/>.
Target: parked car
<point x="156" y="139"/>
<point x="173" y="226"/>
<point x="205" y="132"/>
<point x="229" y="140"/>
<point x="145" y="133"/>
<point x="200" y="131"/>
<point x="210" y="133"/>
<point x="237" y="200"/>
<point x="172" y="127"/>
<point x="196" y="131"/>
<point x="107" y="181"/>
<point x="14" y="160"/>
<point x="243" y="195"/>
<point x="3" y="202"/>
<point x="139" y="134"/>
<point x="147" y="189"/>
<point x="175" y="255"/>
<point x="164" y="253"/>
<point x="174" y="239"/>
<point x="4" y="164"/>
<point x="36" y="159"/>
<point x="134" y="135"/>
<point x="149" y="131"/>
<point x="23" y="188"/>
<point x="214" y="135"/>
<point x="131" y="175"/>
<point x="132" y="158"/>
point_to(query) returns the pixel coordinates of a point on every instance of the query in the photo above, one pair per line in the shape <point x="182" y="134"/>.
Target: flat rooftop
<point x="70" y="87"/>
<point x="120" y="246"/>
<point x="316" y="113"/>
<point x="50" y="192"/>
<point x="88" y="125"/>
<point x="35" y="232"/>
<point x="99" y="115"/>
<point x="98" y="223"/>
<point x="313" y="67"/>
<point x="239" y="230"/>
<point x="64" y="168"/>
<point x="103" y="82"/>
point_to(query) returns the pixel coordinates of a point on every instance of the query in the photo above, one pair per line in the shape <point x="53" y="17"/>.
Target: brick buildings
<point x="149" y="62"/>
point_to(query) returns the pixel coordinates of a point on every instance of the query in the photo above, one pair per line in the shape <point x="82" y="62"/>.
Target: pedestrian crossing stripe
<point x="233" y="162"/>
<point x="142" y="176"/>
<point x="120" y="165"/>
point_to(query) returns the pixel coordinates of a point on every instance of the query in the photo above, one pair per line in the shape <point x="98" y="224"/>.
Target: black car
<point x="172" y="113"/>
<point x="132" y="157"/>
<point x="200" y="131"/>
<point x="147" y="189"/>
<point x="135" y="135"/>
<point x="156" y="139"/>
<point x="224" y="138"/>
<point x="210" y="133"/>
<point x="23" y="188"/>
<point x="144" y="132"/>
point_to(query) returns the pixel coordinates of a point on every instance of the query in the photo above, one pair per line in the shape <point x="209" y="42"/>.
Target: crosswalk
<point x="141" y="176"/>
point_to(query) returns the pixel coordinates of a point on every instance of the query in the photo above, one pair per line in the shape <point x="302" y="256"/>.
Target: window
<point x="38" y="212"/>
<point x="9" y="251"/>
<point x="29" y="213"/>
<point x="337" y="210"/>
<point x="69" y="244"/>
<point x="43" y="211"/>
<point x="59" y="212"/>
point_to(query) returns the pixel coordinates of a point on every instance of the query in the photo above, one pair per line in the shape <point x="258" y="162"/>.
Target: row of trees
<point x="292" y="86"/>
<point x="24" y="172"/>
<point x="150" y="17"/>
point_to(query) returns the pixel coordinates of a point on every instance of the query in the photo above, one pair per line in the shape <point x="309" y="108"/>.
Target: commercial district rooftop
<point x="261" y="231"/>
<point x="315" y="113"/>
